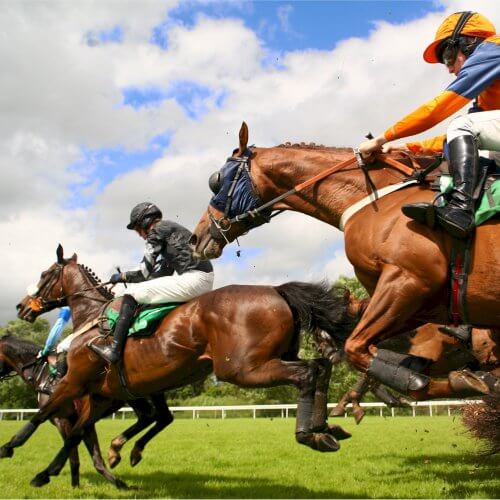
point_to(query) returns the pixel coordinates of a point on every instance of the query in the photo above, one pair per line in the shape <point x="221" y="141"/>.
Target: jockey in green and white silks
<point x="168" y="272"/>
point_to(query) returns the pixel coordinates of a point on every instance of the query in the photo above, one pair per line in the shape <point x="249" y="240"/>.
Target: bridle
<point x="38" y="302"/>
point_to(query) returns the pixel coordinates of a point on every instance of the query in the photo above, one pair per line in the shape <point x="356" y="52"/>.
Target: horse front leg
<point x="63" y="394"/>
<point x="399" y="295"/>
<point x="163" y="417"/>
<point x="88" y="415"/>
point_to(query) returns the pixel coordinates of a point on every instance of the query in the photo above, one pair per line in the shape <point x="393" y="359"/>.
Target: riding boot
<point x="457" y="217"/>
<point x="61" y="365"/>
<point x="461" y="332"/>
<point x="113" y="353"/>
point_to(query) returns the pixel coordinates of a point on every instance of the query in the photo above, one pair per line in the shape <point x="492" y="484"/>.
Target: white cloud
<point x="58" y="93"/>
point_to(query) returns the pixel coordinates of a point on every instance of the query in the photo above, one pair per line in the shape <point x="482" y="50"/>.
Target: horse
<point x="18" y="356"/>
<point x="404" y="265"/>
<point x="246" y="335"/>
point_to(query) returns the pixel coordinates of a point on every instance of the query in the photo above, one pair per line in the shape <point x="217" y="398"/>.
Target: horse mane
<point x="314" y="146"/>
<point x="95" y="281"/>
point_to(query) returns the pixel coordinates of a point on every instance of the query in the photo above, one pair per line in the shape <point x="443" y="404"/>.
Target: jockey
<point x="467" y="45"/>
<point x="167" y="251"/>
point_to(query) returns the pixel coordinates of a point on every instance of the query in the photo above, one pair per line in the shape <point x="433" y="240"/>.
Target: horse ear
<point x="60" y="253"/>
<point x="74" y="257"/>
<point x="243" y="138"/>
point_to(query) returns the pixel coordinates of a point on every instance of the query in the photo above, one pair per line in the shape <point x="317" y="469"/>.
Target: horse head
<point x="217" y="227"/>
<point x="50" y="292"/>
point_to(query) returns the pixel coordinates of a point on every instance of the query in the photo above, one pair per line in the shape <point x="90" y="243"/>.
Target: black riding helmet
<point x="143" y="214"/>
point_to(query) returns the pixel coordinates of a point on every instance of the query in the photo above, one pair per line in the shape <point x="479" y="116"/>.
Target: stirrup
<point x="424" y="213"/>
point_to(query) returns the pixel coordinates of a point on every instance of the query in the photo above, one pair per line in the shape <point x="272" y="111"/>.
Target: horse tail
<point x="318" y="306"/>
<point x="483" y="421"/>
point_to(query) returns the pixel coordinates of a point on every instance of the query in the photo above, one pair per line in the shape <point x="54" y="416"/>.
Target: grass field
<point x="245" y="458"/>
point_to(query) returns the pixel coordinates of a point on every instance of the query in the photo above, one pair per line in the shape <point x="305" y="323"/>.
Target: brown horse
<point x="402" y="264"/>
<point x="18" y="356"/>
<point x="247" y="335"/>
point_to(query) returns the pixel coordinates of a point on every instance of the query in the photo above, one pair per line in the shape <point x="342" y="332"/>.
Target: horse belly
<point x="483" y="289"/>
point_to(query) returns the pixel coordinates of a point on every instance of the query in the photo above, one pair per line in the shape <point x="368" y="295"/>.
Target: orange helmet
<point x="460" y="23"/>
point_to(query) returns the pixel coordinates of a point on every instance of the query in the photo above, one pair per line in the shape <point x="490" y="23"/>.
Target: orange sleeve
<point x="426" y="116"/>
<point x="427" y="146"/>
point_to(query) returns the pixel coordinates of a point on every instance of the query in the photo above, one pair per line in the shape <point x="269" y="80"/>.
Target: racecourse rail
<point x="282" y="410"/>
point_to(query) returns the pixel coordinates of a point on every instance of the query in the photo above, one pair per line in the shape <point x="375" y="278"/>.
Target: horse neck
<point x="17" y="355"/>
<point x="87" y="305"/>
<point x="277" y="170"/>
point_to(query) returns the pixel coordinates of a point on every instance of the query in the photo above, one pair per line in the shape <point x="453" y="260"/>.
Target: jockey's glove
<point x="117" y="278"/>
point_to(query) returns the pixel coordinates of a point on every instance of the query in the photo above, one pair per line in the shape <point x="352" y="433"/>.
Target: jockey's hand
<point x="389" y="148"/>
<point x="372" y="146"/>
<point x="117" y="278"/>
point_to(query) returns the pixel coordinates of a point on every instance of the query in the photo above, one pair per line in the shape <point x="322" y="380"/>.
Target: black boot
<point x="61" y="365"/>
<point x="113" y="353"/>
<point x="457" y="217"/>
<point x="461" y="332"/>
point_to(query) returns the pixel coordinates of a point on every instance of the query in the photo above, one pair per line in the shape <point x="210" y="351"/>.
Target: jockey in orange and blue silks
<point x="466" y="42"/>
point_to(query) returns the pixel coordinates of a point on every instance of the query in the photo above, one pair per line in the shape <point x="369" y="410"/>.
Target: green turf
<point x="245" y="458"/>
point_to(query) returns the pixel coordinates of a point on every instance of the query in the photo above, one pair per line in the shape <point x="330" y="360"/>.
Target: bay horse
<point x="19" y="356"/>
<point x="403" y="265"/>
<point x="246" y="335"/>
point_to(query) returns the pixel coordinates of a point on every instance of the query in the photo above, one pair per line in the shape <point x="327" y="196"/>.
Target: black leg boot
<point x="457" y="217"/>
<point x="461" y="332"/>
<point x="61" y="365"/>
<point x="113" y="353"/>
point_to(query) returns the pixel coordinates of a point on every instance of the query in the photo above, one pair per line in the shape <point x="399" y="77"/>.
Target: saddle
<point x="146" y="319"/>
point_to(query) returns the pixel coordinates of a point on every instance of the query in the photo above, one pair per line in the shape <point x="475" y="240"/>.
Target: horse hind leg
<point x="163" y="417"/>
<point x="145" y="417"/>
<point x="303" y="375"/>
<point x="319" y="421"/>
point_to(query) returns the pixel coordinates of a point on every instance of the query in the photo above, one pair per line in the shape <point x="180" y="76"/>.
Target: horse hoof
<point x="121" y="485"/>
<point x="135" y="457"/>
<point x="40" y="480"/>
<point x="358" y="416"/>
<point x="337" y="412"/>
<point x="325" y="443"/>
<point x="114" y="459"/>
<point x="338" y="433"/>
<point x="6" y="452"/>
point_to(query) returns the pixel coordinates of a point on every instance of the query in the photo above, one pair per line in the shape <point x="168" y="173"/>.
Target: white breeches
<point x="175" y="288"/>
<point x="484" y="127"/>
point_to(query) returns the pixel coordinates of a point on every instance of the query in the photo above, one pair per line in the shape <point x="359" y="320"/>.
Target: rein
<point x="219" y="227"/>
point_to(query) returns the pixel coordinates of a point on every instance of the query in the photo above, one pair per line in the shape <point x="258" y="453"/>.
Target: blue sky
<point x="282" y="26"/>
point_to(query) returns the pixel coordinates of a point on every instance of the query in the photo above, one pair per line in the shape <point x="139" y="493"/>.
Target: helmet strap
<point x="452" y="45"/>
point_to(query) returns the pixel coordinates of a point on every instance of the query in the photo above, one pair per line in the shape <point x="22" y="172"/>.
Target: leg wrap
<point x="398" y="377"/>
<point x="415" y="363"/>
<point x="304" y="415"/>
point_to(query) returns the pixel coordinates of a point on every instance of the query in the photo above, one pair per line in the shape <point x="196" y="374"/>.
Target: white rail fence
<point x="282" y="410"/>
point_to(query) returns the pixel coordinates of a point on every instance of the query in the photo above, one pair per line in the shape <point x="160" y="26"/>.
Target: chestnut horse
<point x="246" y="335"/>
<point x="403" y="265"/>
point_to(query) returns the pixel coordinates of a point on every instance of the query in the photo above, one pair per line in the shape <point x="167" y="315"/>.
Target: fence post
<point x="381" y="411"/>
<point x="449" y="412"/>
<point x="123" y="414"/>
<point x="392" y="412"/>
<point x="286" y="412"/>
<point x="430" y="410"/>
<point x="254" y="411"/>
<point x="194" y="414"/>
<point x="413" y="409"/>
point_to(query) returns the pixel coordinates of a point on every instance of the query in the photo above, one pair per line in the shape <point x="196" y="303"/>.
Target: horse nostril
<point x="193" y="240"/>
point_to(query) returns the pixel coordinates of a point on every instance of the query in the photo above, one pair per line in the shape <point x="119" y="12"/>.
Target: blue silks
<point x="55" y="332"/>
<point x="243" y="198"/>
